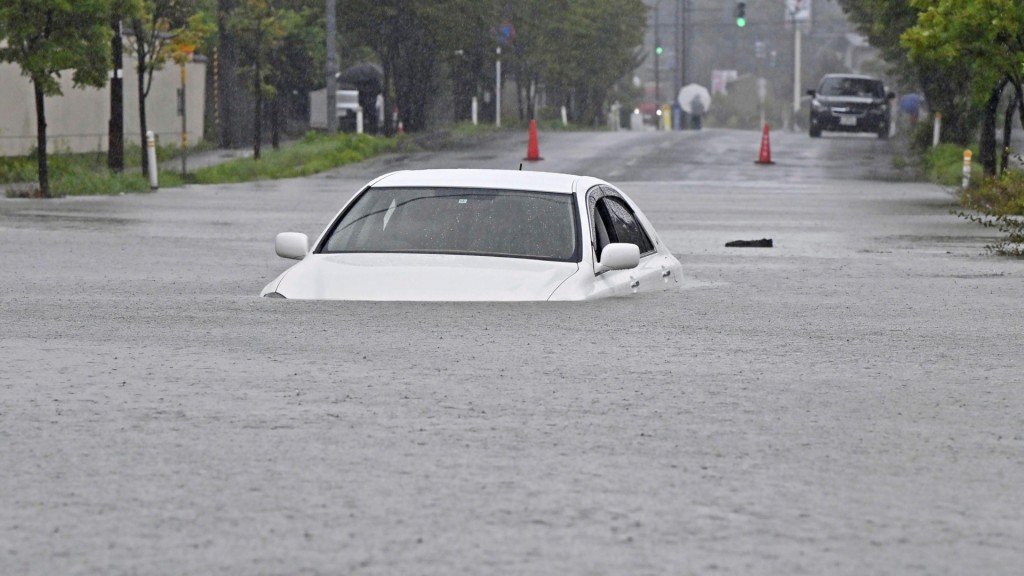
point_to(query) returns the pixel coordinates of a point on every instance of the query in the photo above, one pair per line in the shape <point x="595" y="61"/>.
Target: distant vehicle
<point x="850" y="103"/>
<point x="479" y="235"/>
<point x="346" y="103"/>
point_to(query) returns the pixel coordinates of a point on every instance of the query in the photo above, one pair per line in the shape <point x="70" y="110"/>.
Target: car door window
<point x="627" y="228"/>
<point x="612" y="220"/>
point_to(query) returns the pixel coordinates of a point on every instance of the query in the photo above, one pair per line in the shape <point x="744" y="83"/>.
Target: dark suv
<point x="850" y="103"/>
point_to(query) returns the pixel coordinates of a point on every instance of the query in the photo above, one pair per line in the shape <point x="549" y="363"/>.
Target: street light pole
<point x="657" y="55"/>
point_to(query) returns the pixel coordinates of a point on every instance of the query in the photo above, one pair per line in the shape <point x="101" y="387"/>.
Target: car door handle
<point x="666" y="273"/>
<point x="634" y="284"/>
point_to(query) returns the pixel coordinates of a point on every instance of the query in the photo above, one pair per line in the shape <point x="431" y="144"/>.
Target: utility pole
<point x="687" y="44"/>
<point x="657" y="55"/>
<point x="677" y="69"/>
<point x="332" y="68"/>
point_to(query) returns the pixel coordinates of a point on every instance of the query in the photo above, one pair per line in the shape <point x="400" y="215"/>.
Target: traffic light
<point x="658" y="50"/>
<point x="741" y="14"/>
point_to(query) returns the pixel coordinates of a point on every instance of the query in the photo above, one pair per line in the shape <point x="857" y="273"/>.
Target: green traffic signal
<point x="741" y="22"/>
<point x="659" y="50"/>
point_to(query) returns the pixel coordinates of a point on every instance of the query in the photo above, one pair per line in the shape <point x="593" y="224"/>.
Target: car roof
<point x="478" y="178"/>
<point x="857" y="76"/>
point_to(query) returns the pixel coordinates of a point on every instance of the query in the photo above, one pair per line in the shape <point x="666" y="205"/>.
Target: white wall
<point x="78" y="120"/>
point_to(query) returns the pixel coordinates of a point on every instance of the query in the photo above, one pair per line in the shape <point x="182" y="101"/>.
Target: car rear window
<point x="842" y="86"/>
<point x="483" y="222"/>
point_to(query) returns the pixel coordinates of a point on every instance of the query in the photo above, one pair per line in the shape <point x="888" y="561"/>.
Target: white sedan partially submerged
<point x="479" y="235"/>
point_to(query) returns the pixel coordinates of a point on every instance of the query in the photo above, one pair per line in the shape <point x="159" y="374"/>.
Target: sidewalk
<point x="205" y="158"/>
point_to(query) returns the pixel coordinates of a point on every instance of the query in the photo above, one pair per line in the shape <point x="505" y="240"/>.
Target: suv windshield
<point x="862" y="87"/>
<point x="483" y="222"/>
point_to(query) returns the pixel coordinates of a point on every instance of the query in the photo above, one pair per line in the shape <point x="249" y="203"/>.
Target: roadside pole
<point x="967" y="170"/>
<point x="497" y="89"/>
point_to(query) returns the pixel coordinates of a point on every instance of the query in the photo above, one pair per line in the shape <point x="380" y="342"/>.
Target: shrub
<point x="999" y="203"/>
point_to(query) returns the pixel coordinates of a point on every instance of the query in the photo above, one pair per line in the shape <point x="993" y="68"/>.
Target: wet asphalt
<point x="848" y="401"/>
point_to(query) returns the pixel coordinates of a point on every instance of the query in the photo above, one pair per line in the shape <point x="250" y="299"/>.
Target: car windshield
<point x="483" y="222"/>
<point x="863" y="87"/>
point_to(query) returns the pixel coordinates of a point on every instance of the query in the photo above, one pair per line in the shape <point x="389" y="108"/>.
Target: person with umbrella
<point x="694" y="99"/>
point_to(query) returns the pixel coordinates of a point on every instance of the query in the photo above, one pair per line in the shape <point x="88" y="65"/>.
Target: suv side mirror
<point x="811" y="93"/>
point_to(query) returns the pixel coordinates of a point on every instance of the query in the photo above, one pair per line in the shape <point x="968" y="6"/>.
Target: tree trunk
<point x="1007" y="132"/>
<point x="115" y="143"/>
<point x="257" y="114"/>
<point x="140" y="73"/>
<point x="44" y="173"/>
<point x="275" y="123"/>
<point x="389" y="127"/>
<point x="987" y="140"/>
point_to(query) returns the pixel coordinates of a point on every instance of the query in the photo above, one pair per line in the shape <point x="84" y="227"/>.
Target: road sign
<point x="798" y="12"/>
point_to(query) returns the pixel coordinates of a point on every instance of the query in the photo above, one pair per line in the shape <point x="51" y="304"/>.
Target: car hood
<point x="428" y="277"/>
<point x="840" y="100"/>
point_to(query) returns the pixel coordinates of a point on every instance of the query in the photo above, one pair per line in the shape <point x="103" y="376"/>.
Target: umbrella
<point x="910" y="104"/>
<point x="367" y="78"/>
<point x="691" y="92"/>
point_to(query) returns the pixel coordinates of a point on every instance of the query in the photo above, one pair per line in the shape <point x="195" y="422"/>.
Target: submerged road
<point x="847" y="402"/>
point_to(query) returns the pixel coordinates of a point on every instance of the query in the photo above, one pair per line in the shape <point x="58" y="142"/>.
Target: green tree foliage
<point x="575" y="49"/>
<point x="596" y="47"/>
<point x="48" y="37"/>
<point x="946" y="85"/>
<point x="297" y="66"/>
<point x="260" y="28"/>
<point x="411" y="38"/>
<point x="985" y="35"/>
<point x="156" y="34"/>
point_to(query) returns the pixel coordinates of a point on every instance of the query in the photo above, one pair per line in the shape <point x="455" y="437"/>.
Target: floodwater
<point x="846" y="402"/>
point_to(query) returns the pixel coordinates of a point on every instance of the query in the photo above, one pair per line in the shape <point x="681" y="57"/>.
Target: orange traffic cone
<point x="765" y="157"/>
<point x="532" y="149"/>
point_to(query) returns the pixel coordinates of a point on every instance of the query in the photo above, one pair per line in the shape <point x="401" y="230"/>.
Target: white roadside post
<point x="475" y="110"/>
<point x="151" y="156"/>
<point x="967" y="170"/>
<point x="936" y="129"/>
<point x="359" y="120"/>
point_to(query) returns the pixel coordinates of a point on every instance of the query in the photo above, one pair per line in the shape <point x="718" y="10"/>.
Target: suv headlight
<point x="817" y="106"/>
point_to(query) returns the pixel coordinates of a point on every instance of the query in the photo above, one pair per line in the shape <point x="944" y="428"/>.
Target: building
<point x="78" y="120"/>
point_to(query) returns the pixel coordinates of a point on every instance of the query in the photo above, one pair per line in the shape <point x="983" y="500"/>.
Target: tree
<point x="986" y="36"/>
<point x="259" y="28"/>
<point x="297" y="66"/>
<point x="411" y="38"/>
<point x="946" y="85"/>
<point x="120" y="10"/>
<point x="48" y="37"/>
<point x="594" y="52"/>
<point x="154" y="31"/>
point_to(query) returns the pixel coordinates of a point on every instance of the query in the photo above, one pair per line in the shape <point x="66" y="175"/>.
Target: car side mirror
<point x="890" y="95"/>
<point x="619" y="256"/>
<point x="292" y="245"/>
<point x="811" y="93"/>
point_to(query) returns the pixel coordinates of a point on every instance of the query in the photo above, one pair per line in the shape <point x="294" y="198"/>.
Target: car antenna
<point x="520" y="166"/>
